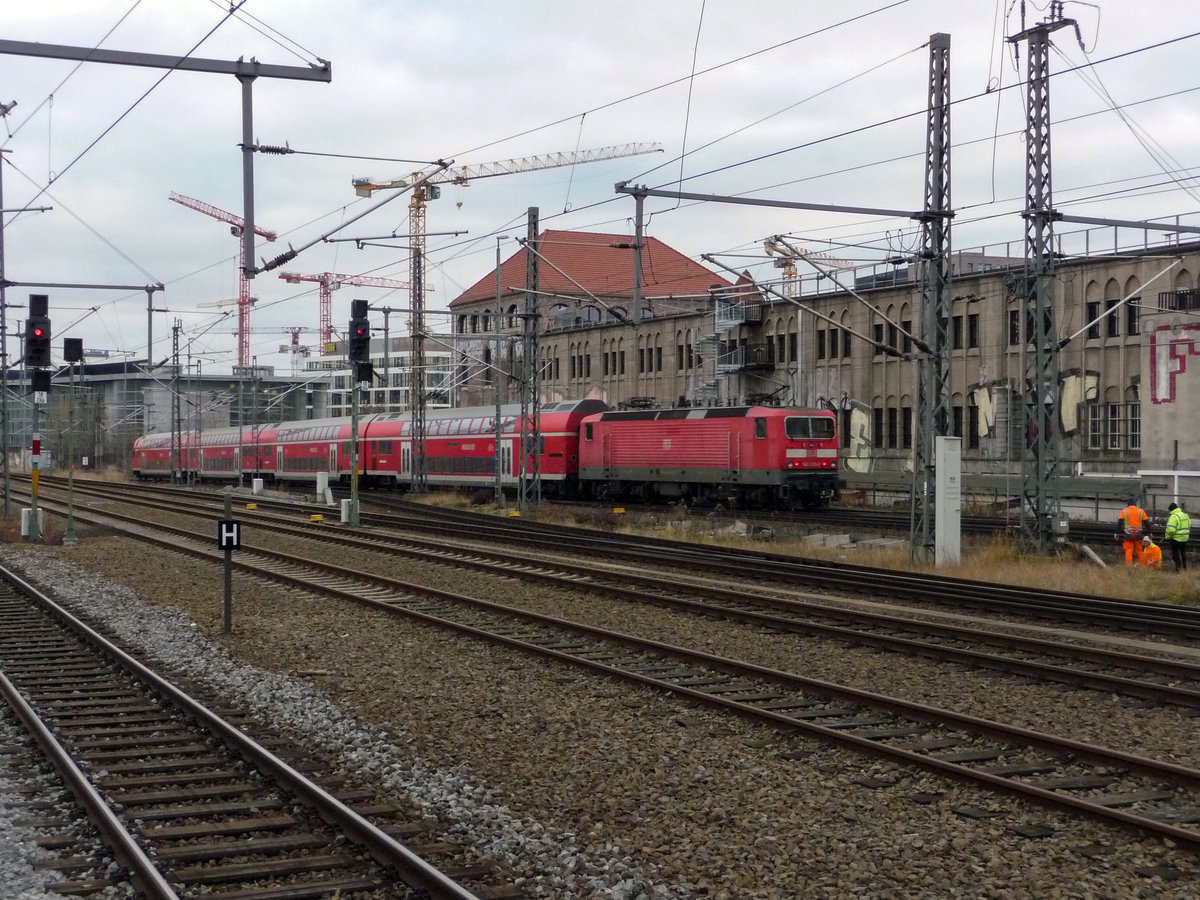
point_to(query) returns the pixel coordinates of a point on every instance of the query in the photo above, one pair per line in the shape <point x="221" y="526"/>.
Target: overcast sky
<point x="810" y="102"/>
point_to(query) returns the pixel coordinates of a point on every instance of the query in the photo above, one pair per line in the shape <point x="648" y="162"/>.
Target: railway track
<point x="1156" y="797"/>
<point x="187" y="802"/>
<point x="747" y="566"/>
<point x="1152" y="675"/>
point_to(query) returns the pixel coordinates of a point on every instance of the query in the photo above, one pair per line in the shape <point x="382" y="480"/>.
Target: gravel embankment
<point x="595" y="789"/>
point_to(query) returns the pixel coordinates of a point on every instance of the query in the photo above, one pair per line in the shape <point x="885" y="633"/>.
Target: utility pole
<point x="1040" y="506"/>
<point x="176" y="407"/>
<point x="529" y="487"/>
<point x="496" y="374"/>
<point x="5" y="109"/>
<point x="417" y="329"/>
<point x="933" y="376"/>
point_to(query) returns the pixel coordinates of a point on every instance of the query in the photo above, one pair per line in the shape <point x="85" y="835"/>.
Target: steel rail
<point x="144" y="874"/>
<point x="415" y="871"/>
<point x="343" y="583"/>
<point x="561" y="574"/>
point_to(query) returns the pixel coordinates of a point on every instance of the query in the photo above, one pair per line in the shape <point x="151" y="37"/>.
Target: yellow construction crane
<point x="424" y="188"/>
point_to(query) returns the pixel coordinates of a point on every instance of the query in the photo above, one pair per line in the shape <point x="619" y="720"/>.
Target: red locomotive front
<point x="753" y="455"/>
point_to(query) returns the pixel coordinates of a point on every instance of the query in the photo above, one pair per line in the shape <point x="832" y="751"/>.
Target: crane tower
<point x="425" y="189"/>
<point x="328" y="282"/>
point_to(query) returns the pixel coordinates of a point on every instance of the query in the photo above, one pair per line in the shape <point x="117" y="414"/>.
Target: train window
<point x="822" y="428"/>
<point x="587" y="431"/>
<point x="760" y="428"/>
<point x="796" y="428"/>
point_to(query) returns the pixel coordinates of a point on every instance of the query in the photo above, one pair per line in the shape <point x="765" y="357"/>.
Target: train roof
<point x="710" y="412"/>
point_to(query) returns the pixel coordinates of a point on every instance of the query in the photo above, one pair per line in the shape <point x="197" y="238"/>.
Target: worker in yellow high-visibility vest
<point x="1179" y="528"/>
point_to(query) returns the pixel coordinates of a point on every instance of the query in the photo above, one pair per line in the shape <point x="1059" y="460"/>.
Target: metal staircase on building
<point x="716" y="364"/>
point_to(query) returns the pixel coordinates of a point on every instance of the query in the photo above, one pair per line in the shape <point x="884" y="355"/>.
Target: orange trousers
<point x="1133" y="550"/>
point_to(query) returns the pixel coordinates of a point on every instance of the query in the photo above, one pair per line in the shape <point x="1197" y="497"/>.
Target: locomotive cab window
<point x="803" y="427"/>
<point x="587" y="431"/>
<point x="760" y="428"/>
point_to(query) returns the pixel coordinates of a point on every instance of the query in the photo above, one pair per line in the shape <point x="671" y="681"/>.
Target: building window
<point x="1114" y="426"/>
<point x="845" y="429"/>
<point x="973" y="427"/>
<point x="906" y="423"/>
<point x="845" y="344"/>
<point x="907" y="344"/>
<point x="957" y="420"/>
<point x="1014" y="327"/>
<point x="956" y="333"/>
<point x="1133" y="317"/>
<point x="833" y="343"/>
<point x="1095" y="435"/>
<point x="1112" y="321"/>
<point x="877" y="436"/>
<point x="973" y="331"/>
<point x="1093" y="318"/>
<point x="1135" y="425"/>
<point x="641" y="360"/>
<point x="892" y="428"/>
<point x="621" y="361"/>
<point x="679" y="357"/>
<point x="658" y="359"/>
<point x="821" y="344"/>
<point x="878" y="332"/>
<point x="892" y="336"/>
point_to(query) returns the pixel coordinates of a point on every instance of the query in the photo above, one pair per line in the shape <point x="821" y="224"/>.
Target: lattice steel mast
<point x="933" y="373"/>
<point x="416" y="328"/>
<point x="529" y="482"/>
<point x="1040" y="504"/>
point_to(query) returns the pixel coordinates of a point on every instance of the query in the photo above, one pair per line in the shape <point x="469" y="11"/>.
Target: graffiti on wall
<point x="1170" y="348"/>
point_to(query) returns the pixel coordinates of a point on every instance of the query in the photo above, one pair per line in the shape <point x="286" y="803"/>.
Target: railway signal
<point x="360" y="332"/>
<point x="37" y="341"/>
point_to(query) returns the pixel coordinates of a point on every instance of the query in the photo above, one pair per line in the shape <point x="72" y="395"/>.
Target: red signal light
<point x="38" y="332"/>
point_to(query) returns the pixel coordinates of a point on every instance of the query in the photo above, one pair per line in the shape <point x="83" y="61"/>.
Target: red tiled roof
<point x="593" y="262"/>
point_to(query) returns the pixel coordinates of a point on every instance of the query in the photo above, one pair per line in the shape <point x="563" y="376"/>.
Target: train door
<point x="333" y="460"/>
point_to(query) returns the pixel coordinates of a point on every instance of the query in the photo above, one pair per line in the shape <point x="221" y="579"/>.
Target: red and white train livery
<point x="754" y="455"/>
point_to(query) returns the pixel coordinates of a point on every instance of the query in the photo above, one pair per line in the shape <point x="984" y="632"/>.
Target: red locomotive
<point x="751" y="455"/>
<point x="754" y="455"/>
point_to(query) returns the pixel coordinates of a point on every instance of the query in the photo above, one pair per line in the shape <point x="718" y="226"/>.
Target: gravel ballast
<point x="585" y="787"/>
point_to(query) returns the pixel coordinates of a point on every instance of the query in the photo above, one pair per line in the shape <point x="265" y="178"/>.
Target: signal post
<point x="37" y="359"/>
<point x="359" y="351"/>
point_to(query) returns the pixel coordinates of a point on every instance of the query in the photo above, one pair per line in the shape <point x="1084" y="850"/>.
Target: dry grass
<point x="1000" y="560"/>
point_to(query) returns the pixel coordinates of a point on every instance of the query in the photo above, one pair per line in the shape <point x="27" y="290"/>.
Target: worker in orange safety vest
<point x="1133" y="521"/>
<point x="1151" y="555"/>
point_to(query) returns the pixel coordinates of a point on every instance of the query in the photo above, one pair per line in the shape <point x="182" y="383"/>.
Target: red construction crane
<point x="237" y="225"/>
<point x="328" y="283"/>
